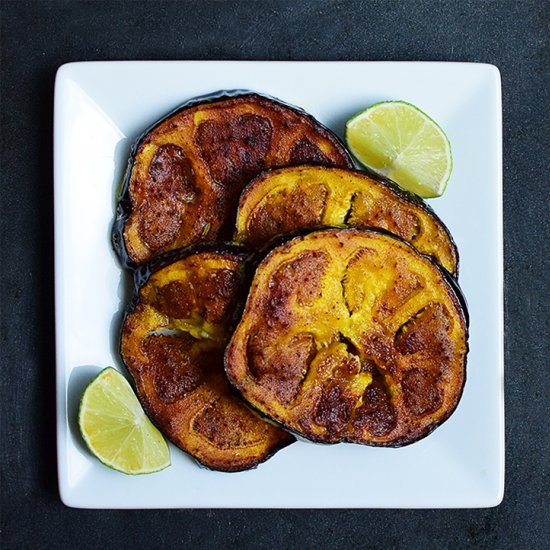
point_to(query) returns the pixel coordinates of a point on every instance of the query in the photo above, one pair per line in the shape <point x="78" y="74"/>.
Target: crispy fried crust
<point x="172" y="343"/>
<point x="289" y="199"/>
<point x="187" y="172"/>
<point x="351" y="335"/>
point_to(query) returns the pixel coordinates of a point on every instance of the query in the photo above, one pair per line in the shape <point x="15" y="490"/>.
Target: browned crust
<point x="283" y="200"/>
<point x="351" y="335"/>
<point x="186" y="173"/>
<point x="172" y="343"/>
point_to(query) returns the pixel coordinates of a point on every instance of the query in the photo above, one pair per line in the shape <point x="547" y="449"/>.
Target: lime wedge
<point x="116" y="429"/>
<point x="398" y="140"/>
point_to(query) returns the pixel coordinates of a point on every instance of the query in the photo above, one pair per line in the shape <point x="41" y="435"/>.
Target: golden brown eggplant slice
<point x="172" y="343"/>
<point x="351" y="335"/>
<point x="186" y="173"/>
<point x="289" y="199"/>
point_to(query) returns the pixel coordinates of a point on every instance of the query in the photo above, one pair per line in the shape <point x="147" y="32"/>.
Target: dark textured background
<point x="37" y="37"/>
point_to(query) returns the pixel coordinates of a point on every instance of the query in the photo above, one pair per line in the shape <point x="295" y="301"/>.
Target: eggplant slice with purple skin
<point x="351" y="335"/>
<point x="284" y="200"/>
<point x="186" y="172"/>
<point x="172" y="343"/>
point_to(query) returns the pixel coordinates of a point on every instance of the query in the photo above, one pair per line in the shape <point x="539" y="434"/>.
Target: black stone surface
<point x="37" y="37"/>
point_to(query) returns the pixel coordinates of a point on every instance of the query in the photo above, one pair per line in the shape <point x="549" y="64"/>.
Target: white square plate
<point x="100" y="109"/>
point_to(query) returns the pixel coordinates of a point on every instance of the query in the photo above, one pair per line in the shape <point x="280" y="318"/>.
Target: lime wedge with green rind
<point x="117" y="430"/>
<point x="398" y="140"/>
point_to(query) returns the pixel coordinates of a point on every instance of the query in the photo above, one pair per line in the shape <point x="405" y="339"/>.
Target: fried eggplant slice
<point x="172" y="343"/>
<point x="351" y="335"/>
<point x="186" y="173"/>
<point x="285" y="200"/>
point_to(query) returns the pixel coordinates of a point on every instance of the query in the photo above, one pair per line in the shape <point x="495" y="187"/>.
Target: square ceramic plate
<point x="100" y="109"/>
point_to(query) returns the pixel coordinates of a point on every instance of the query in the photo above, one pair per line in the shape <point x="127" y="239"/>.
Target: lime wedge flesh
<point x="398" y="140"/>
<point x="116" y="429"/>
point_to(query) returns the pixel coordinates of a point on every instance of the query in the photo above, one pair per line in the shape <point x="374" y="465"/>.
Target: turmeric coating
<point x="351" y="335"/>
<point x="172" y="344"/>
